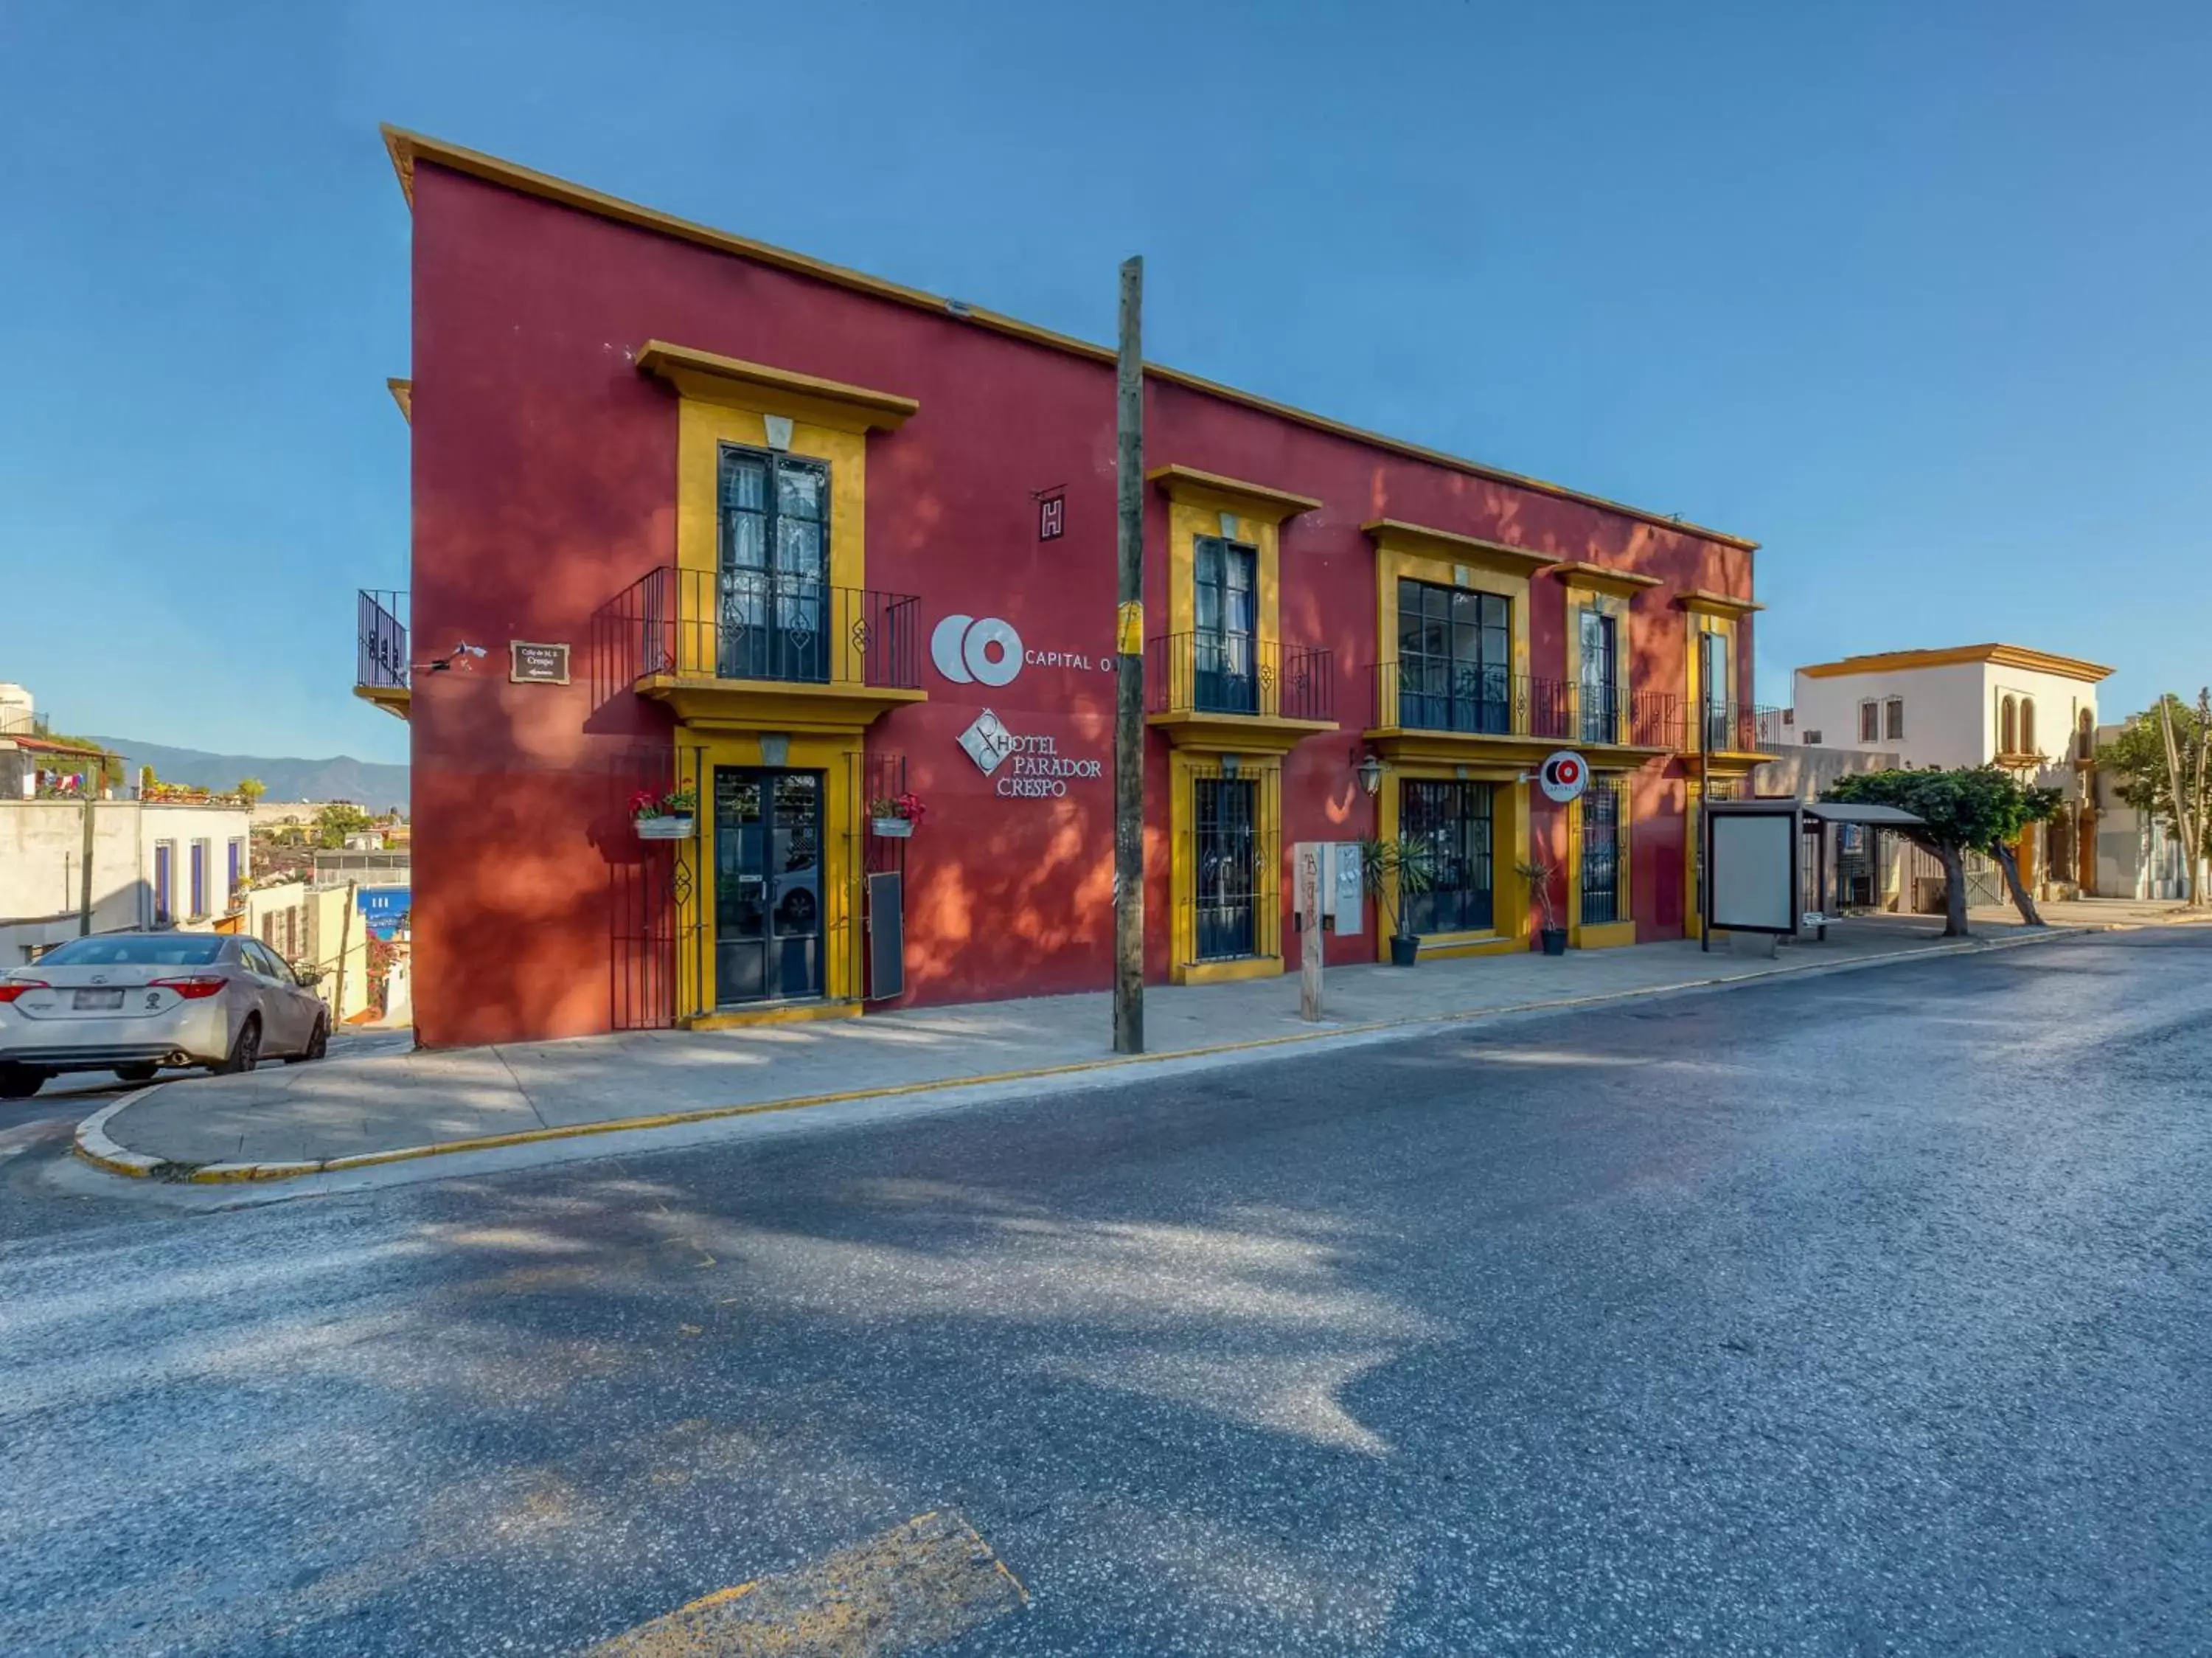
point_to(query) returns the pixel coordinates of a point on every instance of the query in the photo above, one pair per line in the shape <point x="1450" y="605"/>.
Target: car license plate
<point x="97" y="1001"/>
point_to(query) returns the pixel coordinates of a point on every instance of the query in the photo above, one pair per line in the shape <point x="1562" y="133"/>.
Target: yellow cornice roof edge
<point x="405" y="148"/>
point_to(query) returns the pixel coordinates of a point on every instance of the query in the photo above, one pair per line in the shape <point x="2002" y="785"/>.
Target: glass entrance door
<point x="768" y="909"/>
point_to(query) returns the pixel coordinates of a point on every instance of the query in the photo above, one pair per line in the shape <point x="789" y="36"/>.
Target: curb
<point x="95" y="1146"/>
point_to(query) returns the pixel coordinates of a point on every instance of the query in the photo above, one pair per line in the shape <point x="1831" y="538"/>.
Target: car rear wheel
<point x="19" y="1082"/>
<point x="245" y="1053"/>
<point x="318" y="1045"/>
<point x="135" y="1073"/>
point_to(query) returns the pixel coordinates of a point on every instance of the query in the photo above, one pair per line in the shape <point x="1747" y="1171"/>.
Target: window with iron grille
<point x="1452" y="822"/>
<point x="1869" y="722"/>
<point x="776" y="601"/>
<point x="1226" y="866"/>
<point x="1893" y="717"/>
<point x="1600" y="873"/>
<point x="1228" y="621"/>
<point x="1454" y="658"/>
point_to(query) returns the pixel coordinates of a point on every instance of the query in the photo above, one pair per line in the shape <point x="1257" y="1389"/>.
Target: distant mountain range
<point x="365" y="783"/>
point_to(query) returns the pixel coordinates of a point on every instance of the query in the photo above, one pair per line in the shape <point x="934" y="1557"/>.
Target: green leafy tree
<point x="1968" y="809"/>
<point x="147" y="780"/>
<point x="337" y="820"/>
<point x="250" y="789"/>
<point x="2146" y="775"/>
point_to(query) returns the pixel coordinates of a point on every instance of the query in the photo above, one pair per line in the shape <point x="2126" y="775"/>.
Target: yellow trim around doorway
<point x="1605" y="934"/>
<point x="838" y="758"/>
<point x="1185" y="765"/>
<point x="1509" y="849"/>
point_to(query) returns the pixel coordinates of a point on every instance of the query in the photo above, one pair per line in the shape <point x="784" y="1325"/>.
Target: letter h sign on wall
<point x="1052" y="517"/>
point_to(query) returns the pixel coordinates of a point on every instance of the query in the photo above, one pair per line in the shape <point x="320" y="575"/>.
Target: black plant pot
<point x="1404" y="949"/>
<point x="1555" y="941"/>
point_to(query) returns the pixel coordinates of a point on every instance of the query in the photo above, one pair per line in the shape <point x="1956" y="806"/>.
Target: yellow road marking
<point x="917" y="1585"/>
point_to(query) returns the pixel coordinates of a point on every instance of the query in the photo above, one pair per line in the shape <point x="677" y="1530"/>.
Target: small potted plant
<point x="895" y="816"/>
<point x="1393" y="871"/>
<point x="664" y="817"/>
<point x="1538" y="873"/>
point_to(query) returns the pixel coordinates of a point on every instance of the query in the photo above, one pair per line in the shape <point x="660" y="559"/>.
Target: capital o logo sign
<point x="1563" y="777"/>
<point x="976" y="651"/>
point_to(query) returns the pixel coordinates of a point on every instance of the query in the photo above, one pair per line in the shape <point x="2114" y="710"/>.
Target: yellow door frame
<point x="1509" y="849"/>
<point x="1599" y="935"/>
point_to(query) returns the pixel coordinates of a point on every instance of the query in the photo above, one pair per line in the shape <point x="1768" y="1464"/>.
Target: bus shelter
<point x="1769" y="867"/>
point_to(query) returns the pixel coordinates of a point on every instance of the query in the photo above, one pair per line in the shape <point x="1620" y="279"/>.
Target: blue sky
<point x="1914" y="294"/>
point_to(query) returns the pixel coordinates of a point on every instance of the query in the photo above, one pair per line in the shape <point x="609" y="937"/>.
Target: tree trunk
<point x="2008" y="861"/>
<point x="1954" y="892"/>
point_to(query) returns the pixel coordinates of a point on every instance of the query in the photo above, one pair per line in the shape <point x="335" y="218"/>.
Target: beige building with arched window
<point x="2032" y="712"/>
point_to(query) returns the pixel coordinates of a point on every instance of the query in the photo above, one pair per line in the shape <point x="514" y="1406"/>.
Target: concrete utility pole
<point x="1129" y="672"/>
<point x="84" y="872"/>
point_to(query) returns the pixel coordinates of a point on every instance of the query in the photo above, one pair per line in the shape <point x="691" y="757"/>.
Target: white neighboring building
<point x="2137" y="856"/>
<point x="2032" y="712"/>
<point x="154" y="864"/>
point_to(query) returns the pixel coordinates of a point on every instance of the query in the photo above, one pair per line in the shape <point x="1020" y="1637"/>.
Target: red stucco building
<point x="813" y="542"/>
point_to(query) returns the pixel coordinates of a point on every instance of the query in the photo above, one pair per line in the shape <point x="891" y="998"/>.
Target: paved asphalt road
<point x="1859" y="1314"/>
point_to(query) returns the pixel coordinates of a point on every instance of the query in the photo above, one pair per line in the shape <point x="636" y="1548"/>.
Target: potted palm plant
<point x="1538" y="873"/>
<point x="664" y="817"/>
<point x="1393" y="871"/>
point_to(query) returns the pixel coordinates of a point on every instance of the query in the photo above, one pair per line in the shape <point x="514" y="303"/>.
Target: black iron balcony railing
<point x="761" y="624"/>
<point x="1717" y="728"/>
<point x="1209" y="672"/>
<point x="380" y="649"/>
<point x="1430" y="695"/>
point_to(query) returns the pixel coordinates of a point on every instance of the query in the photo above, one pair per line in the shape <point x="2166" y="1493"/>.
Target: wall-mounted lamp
<point x="1370" y="775"/>
<point x="461" y="654"/>
<point x="1230" y="763"/>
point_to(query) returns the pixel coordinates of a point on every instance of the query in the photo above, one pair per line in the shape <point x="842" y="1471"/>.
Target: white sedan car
<point x="134" y="1003"/>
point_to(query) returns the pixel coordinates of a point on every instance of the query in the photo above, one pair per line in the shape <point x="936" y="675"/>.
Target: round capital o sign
<point x="1563" y="776"/>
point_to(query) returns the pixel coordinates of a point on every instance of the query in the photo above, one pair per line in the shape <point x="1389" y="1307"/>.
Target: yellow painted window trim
<point x="1606" y="604"/>
<point x="1230" y="495"/>
<point x="1705" y="602"/>
<point x="704" y="428"/>
<point x="1451" y="547"/>
<point x="1602" y="578"/>
<point x="756" y="385"/>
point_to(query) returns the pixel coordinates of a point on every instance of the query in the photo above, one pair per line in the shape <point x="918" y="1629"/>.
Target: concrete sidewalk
<point x="286" y="1121"/>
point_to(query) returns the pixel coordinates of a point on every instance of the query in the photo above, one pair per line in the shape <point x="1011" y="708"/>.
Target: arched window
<point x="2008" y="726"/>
<point x="2026" y="726"/>
<point x="2087" y="741"/>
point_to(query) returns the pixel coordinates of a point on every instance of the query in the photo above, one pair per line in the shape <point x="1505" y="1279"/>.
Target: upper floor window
<point x="774" y="545"/>
<point x="1226" y="591"/>
<point x="2008" y="725"/>
<point x="1869" y="722"/>
<point x="1599" y="640"/>
<point x="2085" y="743"/>
<point x="1454" y="658"/>
<point x="1894" y="718"/>
<point x="1717" y="687"/>
<point x="2026" y="726"/>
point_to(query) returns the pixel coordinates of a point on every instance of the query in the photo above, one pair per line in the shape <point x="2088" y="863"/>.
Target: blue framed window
<point x="199" y="863"/>
<point x="237" y="868"/>
<point x="165" y="882"/>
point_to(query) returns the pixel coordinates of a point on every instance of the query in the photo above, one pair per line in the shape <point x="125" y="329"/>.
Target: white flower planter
<point x="664" y="828"/>
<point x="894" y="828"/>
